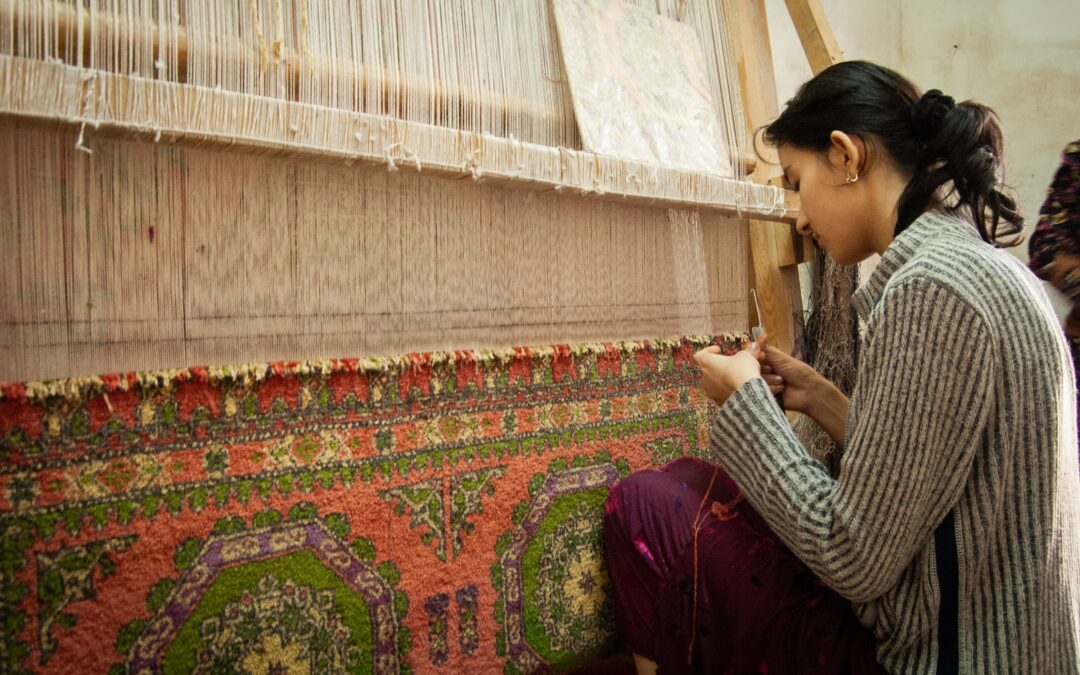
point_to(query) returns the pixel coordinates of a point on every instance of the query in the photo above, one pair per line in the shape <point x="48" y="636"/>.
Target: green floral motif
<point x="300" y="450"/>
<point x="664" y="450"/>
<point x="572" y="592"/>
<point x="424" y="503"/>
<point x="66" y="576"/>
<point x="291" y="610"/>
<point x="282" y="627"/>
<point x="438" y="627"/>
<point x="216" y="462"/>
<point x="117" y="475"/>
<point x="467" y="490"/>
<point x="384" y="440"/>
<point x="22" y="490"/>
<point x="509" y="422"/>
<point x="550" y="580"/>
<point x="468" y="630"/>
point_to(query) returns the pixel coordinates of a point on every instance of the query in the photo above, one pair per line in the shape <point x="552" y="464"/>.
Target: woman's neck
<point x="887" y="188"/>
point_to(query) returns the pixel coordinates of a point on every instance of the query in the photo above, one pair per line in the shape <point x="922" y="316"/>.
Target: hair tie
<point x="928" y="113"/>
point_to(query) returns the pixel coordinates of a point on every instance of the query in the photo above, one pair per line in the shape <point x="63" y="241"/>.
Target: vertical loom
<point x="387" y="330"/>
<point x="205" y="182"/>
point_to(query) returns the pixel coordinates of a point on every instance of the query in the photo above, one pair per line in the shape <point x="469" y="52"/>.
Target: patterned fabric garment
<point x="734" y="601"/>
<point x="1058" y="232"/>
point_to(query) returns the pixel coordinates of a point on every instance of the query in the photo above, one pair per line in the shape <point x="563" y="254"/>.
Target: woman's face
<point x="832" y="210"/>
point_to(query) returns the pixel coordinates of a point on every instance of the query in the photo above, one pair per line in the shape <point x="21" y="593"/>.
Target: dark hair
<point x="953" y="151"/>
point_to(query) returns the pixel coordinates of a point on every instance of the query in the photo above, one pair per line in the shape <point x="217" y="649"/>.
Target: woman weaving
<point x="948" y="540"/>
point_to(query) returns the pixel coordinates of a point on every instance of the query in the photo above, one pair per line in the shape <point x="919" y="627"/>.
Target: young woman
<point x="949" y="540"/>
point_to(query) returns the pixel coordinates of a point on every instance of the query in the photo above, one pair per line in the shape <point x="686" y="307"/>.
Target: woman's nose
<point x="802" y="224"/>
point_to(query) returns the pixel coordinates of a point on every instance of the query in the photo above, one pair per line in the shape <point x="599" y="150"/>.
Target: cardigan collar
<point x="900" y="251"/>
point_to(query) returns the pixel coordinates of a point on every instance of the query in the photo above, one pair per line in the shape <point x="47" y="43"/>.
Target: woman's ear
<point x="848" y="153"/>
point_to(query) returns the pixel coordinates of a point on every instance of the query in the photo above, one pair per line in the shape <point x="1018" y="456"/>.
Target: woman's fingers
<point x="774" y="355"/>
<point x="699" y="355"/>
<point x="775" y="382"/>
<point x="756" y="349"/>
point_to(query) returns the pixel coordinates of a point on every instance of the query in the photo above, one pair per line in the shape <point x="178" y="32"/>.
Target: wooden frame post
<point x="815" y="34"/>
<point x="775" y="248"/>
<point x="777" y="285"/>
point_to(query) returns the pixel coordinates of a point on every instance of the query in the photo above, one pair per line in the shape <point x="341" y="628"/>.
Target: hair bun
<point x="928" y="113"/>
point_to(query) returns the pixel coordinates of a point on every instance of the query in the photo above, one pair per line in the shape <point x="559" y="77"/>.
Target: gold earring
<point x="849" y="180"/>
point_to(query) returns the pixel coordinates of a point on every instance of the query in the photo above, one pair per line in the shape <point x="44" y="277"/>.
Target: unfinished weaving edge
<point x="77" y="389"/>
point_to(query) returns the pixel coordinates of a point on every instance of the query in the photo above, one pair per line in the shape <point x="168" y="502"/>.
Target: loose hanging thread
<point x="722" y="512"/>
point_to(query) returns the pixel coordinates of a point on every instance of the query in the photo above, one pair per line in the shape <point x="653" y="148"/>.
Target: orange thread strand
<point x="699" y="520"/>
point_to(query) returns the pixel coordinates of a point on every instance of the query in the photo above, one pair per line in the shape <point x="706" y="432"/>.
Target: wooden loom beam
<point x="776" y="285"/>
<point x="72" y="31"/>
<point x="69" y="25"/>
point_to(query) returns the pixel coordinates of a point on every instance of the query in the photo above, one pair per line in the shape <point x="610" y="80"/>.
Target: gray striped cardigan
<point x="958" y="495"/>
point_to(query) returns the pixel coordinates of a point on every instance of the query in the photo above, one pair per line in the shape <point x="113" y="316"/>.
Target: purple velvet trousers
<point x="758" y="608"/>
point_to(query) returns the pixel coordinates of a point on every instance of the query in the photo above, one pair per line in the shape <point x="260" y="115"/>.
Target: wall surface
<point x="1022" y="58"/>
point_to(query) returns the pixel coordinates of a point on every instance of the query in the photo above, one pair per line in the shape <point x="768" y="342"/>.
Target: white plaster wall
<point x="865" y="29"/>
<point x="1020" y="57"/>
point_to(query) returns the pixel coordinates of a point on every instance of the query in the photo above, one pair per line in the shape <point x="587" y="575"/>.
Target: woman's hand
<point x="1072" y="322"/>
<point x="722" y="375"/>
<point x="798" y="383"/>
<point x="805" y="390"/>
<point x="1063" y="270"/>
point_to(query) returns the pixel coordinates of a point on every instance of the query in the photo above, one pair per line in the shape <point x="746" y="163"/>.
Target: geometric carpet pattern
<point x="424" y="513"/>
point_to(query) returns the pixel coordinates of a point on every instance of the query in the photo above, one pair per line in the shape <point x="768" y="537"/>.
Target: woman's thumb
<point x="700" y="354"/>
<point x="776" y="357"/>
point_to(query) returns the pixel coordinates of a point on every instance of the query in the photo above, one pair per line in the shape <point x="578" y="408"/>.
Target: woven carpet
<point x="428" y="513"/>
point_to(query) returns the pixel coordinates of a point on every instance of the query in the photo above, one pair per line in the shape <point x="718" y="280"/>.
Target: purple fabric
<point x="759" y="610"/>
<point x="1058" y="229"/>
<point x="1058" y="232"/>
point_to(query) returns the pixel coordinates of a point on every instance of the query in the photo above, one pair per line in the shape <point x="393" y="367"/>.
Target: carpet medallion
<point x="427" y="513"/>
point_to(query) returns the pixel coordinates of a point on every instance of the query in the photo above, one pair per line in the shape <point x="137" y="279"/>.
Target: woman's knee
<point x="648" y="504"/>
<point x="642" y="490"/>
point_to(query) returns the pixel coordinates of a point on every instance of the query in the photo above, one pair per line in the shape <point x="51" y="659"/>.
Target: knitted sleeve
<point x="917" y="416"/>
